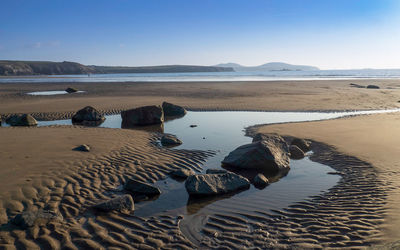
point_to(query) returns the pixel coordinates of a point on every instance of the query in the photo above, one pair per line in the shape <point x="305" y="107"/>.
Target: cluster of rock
<point x="150" y="115"/>
<point x="298" y="148"/>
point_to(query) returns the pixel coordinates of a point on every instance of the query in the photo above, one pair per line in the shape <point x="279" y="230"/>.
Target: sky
<point x="330" y="34"/>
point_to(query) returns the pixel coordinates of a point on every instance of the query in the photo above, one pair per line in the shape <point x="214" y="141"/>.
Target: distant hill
<point x="272" y="66"/>
<point x="20" y="68"/>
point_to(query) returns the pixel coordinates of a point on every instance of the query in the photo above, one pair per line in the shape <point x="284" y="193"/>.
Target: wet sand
<point x="46" y="173"/>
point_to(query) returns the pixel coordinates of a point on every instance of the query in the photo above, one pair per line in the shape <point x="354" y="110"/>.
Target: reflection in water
<point x="251" y="173"/>
<point x="156" y="128"/>
<point x="89" y="123"/>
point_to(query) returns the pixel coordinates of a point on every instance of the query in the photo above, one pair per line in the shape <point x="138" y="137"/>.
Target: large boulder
<point x="170" y="140"/>
<point x="88" y="116"/>
<point x="295" y="152"/>
<point x="213" y="184"/>
<point x="22" y="120"/>
<point x="138" y="187"/>
<point x="269" y="154"/>
<point x="31" y="218"/>
<point x="173" y="110"/>
<point x="142" y="116"/>
<point x="122" y="203"/>
<point x="71" y="90"/>
<point x="304" y="145"/>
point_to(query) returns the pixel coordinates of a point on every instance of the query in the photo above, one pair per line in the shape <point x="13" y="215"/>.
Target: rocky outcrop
<point x="304" y="145"/>
<point x="138" y="187"/>
<point x="182" y="173"/>
<point x="260" y="180"/>
<point x="170" y="140"/>
<point x="214" y="184"/>
<point x="31" y="218"/>
<point x="267" y="152"/>
<point x="71" y="90"/>
<point x="15" y="68"/>
<point x="173" y="110"/>
<point x="295" y="152"/>
<point x="22" y="120"/>
<point x="122" y="203"/>
<point x="147" y="115"/>
<point x="88" y="116"/>
<point x="82" y="148"/>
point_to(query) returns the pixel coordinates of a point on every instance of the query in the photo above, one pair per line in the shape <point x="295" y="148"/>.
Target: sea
<point x="214" y="76"/>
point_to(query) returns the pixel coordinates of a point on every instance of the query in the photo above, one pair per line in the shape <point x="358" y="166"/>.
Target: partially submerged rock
<point x="71" y="90"/>
<point x="295" y="152"/>
<point x="214" y="184"/>
<point x="170" y="140"/>
<point x="88" y="116"/>
<point x="216" y="171"/>
<point x="304" y="145"/>
<point x="182" y="173"/>
<point x="22" y="120"/>
<point x="267" y="152"/>
<point x="142" y="116"/>
<point x="82" y="148"/>
<point x="122" y="203"/>
<point x="31" y="218"/>
<point x="373" y="87"/>
<point x="260" y="180"/>
<point x="173" y="110"/>
<point x="139" y="187"/>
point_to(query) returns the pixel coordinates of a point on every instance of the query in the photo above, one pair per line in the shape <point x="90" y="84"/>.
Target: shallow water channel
<point x="222" y="132"/>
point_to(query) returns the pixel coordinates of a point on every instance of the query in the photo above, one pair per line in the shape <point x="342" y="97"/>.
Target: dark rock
<point x="31" y="218"/>
<point x="83" y="148"/>
<point x="304" y="145"/>
<point x="269" y="154"/>
<point x="88" y="116"/>
<point x="193" y="125"/>
<point x="139" y="187"/>
<point x="170" y="140"/>
<point x="142" y="116"/>
<point x="356" y="85"/>
<point x="296" y="152"/>
<point x="260" y="180"/>
<point x="213" y="184"/>
<point x="22" y="120"/>
<point x="122" y="203"/>
<point x="182" y="173"/>
<point x="173" y="110"/>
<point x="373" y="87"/>
<point x="71" y="90"/>
<point x="216" y="171"/>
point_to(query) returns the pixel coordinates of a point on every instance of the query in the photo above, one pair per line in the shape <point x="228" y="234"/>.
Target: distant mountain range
<point x="20" y="68"/>
<point x="272" y="66"/>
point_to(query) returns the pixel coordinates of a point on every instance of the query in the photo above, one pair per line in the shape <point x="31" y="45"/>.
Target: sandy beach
<point x="39" y="169"/>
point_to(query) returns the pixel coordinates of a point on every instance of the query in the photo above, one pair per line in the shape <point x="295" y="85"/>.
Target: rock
<point x="260" y="180"/>
<point x="182" y="173"/>
<point x="169" y="140"/>
<point x="122" y="203"/>
<point x="213" y="184"/>
<point x="173" y="110"/>
<point x="22" y="120"/>
<point x="88" y="116"/>
<point x="83" y="148"/>
<point x="304" y="145"/>
<point x="139" y="187"/>
<point x="296" y="152"/>
<point x="31" y="218"/>
<point x="71" y="90"/>
<point x="216" y="171"/>
<point x="269" y="154"/>
<point x="142" y="116"/>
<point x="373" y="87"/>
<point x="193" y="125"/>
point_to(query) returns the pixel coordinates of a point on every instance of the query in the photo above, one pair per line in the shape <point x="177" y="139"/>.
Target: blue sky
<point x="329" y="34"/>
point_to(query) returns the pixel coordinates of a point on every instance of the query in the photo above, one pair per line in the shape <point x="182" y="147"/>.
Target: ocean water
<point x="215" y="76"/>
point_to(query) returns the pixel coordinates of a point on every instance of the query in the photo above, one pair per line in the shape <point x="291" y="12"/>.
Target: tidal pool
<point x="52" y="92"/>
<point x="222" y="132"/>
